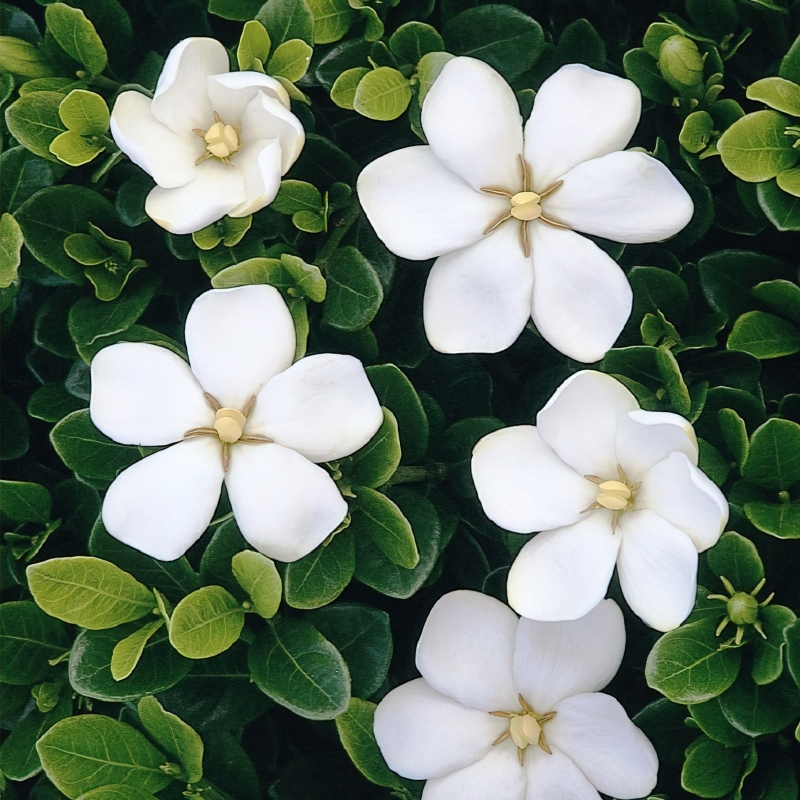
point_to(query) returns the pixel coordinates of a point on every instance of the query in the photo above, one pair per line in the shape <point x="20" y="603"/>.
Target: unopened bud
<point x="743" y="609"/>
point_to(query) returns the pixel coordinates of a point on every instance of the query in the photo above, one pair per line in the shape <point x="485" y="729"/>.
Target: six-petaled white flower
<point x="216" y="142"/>
<point x="242" y="413"/>
<point x="510" y="709"/>
<point x="499" y="208"/>
<point x="607" y="483"/>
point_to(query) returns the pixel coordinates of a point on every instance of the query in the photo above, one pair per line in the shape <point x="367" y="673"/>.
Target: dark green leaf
<point x="25" y="502"/>
<point x="711" y="769"/>
<point x="764" y="335"/>
<point x="737" y="559"/>
<point x="322" y="575"/>
<point x="178" y="739"/>
<point x="376" y="516"/>
<point x="758" y="710"/>
<point x="77" y="36"/>
<point x="29" y="638"/>
<point x="354" y="291"/>
<point x="774" y="459"/>
<point x="379" y="458"/>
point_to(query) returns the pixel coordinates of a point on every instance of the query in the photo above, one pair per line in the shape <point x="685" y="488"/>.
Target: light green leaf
<point x="34" y="121"/>
<point x="376" y="516"/>
<point x="23" y="58"/>
<point x="673" y="381"/>
<point x="287" y="19"/>
<point x="88" y="591"/>
<point x="382" y="94"/>
<point x="179" y="740"/>
<point x="84" y="112"/>
<point x="696" y="132"/>
<point x="308" y="221"/>
<point x="343" y="91"/>
<point x="128" y="651"/>
<point x="296" y="196"/>
<point x="290" y="60"/>
<point x="379" y="458"/>
<point x="734" y="432"/>
<point x="77" y="36"/>
<point x="253" y="270"/>
<point x="254" y="47"/>
<point x="85" y="249"/>
<point x="11" y="241"/>
<point x="764" y="335"/>
<point x="789" y="181"/>
<point x="681" y="64"/>
<point x="308" y="280"/>
<point x="25" y="502"/>
<point x="332" y="19"/>
<point x="777" y="519"/>
<point x="778" y="93"/>
<point x="755" y="148"/>
<point x="74" y="149"/>
<point x="206" y="623"/>
<point x="413" y="40"/>
<point x="428" y="69"/>
<point x="321" y="576"/>
<point x="117" y="791"/>
<point x="258" y="576"/>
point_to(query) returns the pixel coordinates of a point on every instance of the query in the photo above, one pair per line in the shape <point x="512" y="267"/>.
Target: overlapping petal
<point x="471" y="120"/>
<point x="578" y="114"/>
<point x="581" y="298"/>
<point x="237" y="339"/>
<point x="267" y="118"/>
<point x="323" y="407"/>
<point x="423" y="734"/>
<point x="554" y="776"/>
<point x="523" y="486"/>
<point x="477" y="300"/>
<point x="284" y="504"/>
<point x="419" y="208"/>
<point x="260" y="166"/>
<point x="145" y="395"/>
<point x="554" y="660"/>
<point x="657" y="566"/>
<point x="162" y="504"/>
<point x="466" y="650"/>
<point x="563" y="573"/>
<point x="231" y="92"/>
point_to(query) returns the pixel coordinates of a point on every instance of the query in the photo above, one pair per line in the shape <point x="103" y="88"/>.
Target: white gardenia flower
<point x="509" y="709"/>
<point x="498" y="208"/>
<point x="242" y="413"/>
<point x="216" y="142"/>
<point x="607" y="483"/>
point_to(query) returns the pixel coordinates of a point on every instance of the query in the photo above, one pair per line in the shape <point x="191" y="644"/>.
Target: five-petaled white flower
<point x="607" y="483"/>
<point x="509" y="709"/>
<point x="216" y="142"/>
<point x="499" y="210"/>
<point x="242" y="414"/>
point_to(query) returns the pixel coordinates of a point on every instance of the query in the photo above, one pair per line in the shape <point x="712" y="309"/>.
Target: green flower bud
<point x="681" y="64"/>
<point x="743" y="609"/>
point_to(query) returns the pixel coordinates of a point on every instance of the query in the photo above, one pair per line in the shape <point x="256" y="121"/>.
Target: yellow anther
<point x="525" y="206"/>
<point x="222" y="140"/>
<point x="616" y="487"/>
<point x="229" y="425"/>
<point x="524" y="730"/>
<point x="521" y="198"/>
<point x="612" y="501"/>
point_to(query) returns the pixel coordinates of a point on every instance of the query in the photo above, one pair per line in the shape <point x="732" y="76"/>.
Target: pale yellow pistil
<point x="222" y="141"/>
<point x="615" y="495"/>
<point x="525" y="728"/>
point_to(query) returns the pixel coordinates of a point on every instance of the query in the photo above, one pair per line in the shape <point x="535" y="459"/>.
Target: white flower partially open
<point x="608" y="484"/>
<point x="499" y="209"/>
<point x="216" y="142"/>
<point x="242" y="413"/>
<point x="509" y="709"/>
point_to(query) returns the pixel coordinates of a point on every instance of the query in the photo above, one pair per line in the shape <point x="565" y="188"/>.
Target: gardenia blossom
<point x="498" y="208"/>
<point x="607" y="483"/>
<point x="216" y="142"/>
<point x="509" y="709"/>
<point x="240" y="413"/>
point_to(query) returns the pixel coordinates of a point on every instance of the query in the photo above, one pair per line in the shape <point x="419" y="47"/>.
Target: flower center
<point x="229" y="425"/>
<point x="525" y="206"/>
<point x="222" y="140"/>
<point x="618" y="496"/>
<point x="525" y="728"/>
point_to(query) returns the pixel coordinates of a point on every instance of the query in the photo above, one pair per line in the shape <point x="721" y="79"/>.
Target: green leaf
<point x="85" y="249"/>
<point x="206" y="622"/>
<point x="789" y="181"/>
<point x="734" y="432"/>
<point x="86" y="752"/>
<point x="697" y="131"/>
<point x="768" y="661"/>
<point x="88" y="591"/>
<point x="410" y="42"/>
<point x="296" y="666"/>
<point x="764" y="335"/>
<point x="376" y="516"/>
<point x="290" y="60"/>
<point x="382" y="94"/>
<point x="74" y="149"/>
<point x="254" y="46"/>
<point x="681" y="65"/>
<point x="25" y="502"/>
<point x="159" y="667"/>
<point x="774" y="460"/>
<point x="343" y="91"/>
<point x="498" y="34"/>
<point x="713" y="723"/>
<point x="686" y="666"/>
<point x="77" y="36"/>
<point x="239" y="10"/>
<point x="760" y="710"/>
<point x="308" y="280"/>
<point x="777" y="519"/>
<point x="736" y="558"/>
<point x="332" y="19"/>
<point x="711" y="769"/>
<point x="642" y="68"/>
<point x="117" y="791"/>
<point x="428" y="69"/>
<point x="755" y="148"/>
<point x="177" y="738"/>
<point x="781" y="208"/>
<point x="128" y="651"/>
<point x="294" y="196"/>
<point x="84" y="112"/>
<point x="778" y="93"/>
<point x="308" y="221"/>
<point x="379" y="458"/>
<point x="253" y="270"/>
<point x="34" y="121"/>
<point x="711" y="462"/>
<point x="11" y="241"/>
<point x="24" y="174"/>
<point x="673" y="381"/>
<point x="259" y="577"/>
<point x="792" y="636"/>
<point x="29" y="638"/>
<point x="355" y="729"/>
<point x="354" y="292"/>
<point x="287" y="19"/>
<point x="23" y="58"/>
<point x="321" y="576"/>
<point x="782" y="296"/>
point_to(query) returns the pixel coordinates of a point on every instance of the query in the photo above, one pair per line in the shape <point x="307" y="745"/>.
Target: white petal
<point x="564" y="573"/>
<point x="419" y="208"/>
<point x="323" y="406"/>
<point x="646" y="437"/>
<point x="627" y="197"/>
<point x="581" y="297"/>
<point x="678" y="491"/>
<point x="466" y="650"/>
<point x="657" y="566"/>
<point x="166" y="156"/>
<point x="216" y="189"/>
<point x="181" y="98"/>
<point x="578" y="114"/>
<point x="267" y="118"/>
<point x="237" y="339"/>
<point x="145" y="395"/>
<point x="595" y="732"/>
<point x="230" y="92"/>
<point x="477" y="300"/>
<point x="554" y="776"/>
<point x="162" y="504"/>
<point x="554" y="660"/>
<point x="471" y="120"/>
<point x="260" y="165"/>
<point x="580" y="422"/>
<point x="497" y="776"/>
<point x="523" y="485"/>
<point x="284" y="505"/>
<point x="423" y="734"/>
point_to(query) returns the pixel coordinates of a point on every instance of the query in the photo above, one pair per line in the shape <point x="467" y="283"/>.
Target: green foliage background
<point x="119" y="670"/>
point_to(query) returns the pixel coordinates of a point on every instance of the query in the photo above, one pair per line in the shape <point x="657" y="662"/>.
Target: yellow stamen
<point x="229" y="424"/>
